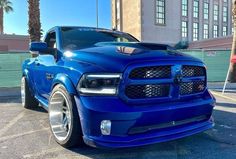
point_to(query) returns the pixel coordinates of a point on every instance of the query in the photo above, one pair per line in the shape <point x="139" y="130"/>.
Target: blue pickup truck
<point x="106" y="89"/>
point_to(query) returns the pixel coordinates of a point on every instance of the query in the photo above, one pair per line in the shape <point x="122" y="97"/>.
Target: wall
<point x="14" y="43"/>
<point x="10" y="68"/>
<point x="217" y="62"/>
<point x="170" y="32"/>
<point x="218" y="43"/>
<point x="131" y="17"/>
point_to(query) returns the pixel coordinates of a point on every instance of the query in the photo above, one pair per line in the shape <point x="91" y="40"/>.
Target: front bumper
<point x="146" y="139"/>
<point x="137" y="125"/>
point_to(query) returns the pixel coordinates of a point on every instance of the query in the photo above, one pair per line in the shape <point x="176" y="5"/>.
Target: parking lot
<point x="26" y="134"/>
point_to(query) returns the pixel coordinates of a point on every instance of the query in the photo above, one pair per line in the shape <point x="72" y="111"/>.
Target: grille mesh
<point x="154" y="72"/>
<point x="192" y="87"/>
<point x="193" y="71"/>
<point x="163" y="90"/>
<point x="147" y="91"/>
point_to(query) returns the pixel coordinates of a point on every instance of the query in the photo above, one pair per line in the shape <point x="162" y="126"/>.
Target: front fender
<point x="65" y="81"/>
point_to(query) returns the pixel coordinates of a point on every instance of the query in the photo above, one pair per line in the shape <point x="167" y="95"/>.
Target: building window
<point x="185" y="8"/>
<point x="160" y="11"/>
<point x="195" y="8"/>
<point x="224" y="31"/>
<point x="184" y="29"/>
<point x="215" y="31"/>
<point x="216" y="12"/>
<point x="206" y="31"/>
<point x="225" y="1"/>
<point x="225" y="14"/>
<point x="195" y="31"/>
<point x="206" y="11"/>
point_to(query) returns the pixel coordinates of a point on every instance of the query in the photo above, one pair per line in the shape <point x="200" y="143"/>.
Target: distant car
<point x="106" y="89"/>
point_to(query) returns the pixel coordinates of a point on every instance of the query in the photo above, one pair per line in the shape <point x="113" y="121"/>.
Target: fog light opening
<point x="105" y="127"/>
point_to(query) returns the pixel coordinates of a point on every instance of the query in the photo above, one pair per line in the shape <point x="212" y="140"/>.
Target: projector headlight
<point x="99" y="84"/>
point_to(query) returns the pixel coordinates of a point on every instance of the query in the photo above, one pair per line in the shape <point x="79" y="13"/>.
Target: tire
<point x="27" y="98"/>
<point x="64" y="118"/>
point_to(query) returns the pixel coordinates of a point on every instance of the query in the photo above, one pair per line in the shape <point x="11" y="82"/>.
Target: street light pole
<point x="97" y="11"/>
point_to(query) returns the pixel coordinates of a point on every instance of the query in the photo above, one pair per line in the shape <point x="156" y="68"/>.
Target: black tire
<point x="74" y="137"/>
<point x="28" y="99"/>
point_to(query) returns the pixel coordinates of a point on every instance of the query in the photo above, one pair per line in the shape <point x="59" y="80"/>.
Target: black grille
<point x="147" y="91"/>
<point x="193" y="71"/>
<point x="143" y="129"/>
<point x="153" y="72"/>
<point x="192" y="87"/>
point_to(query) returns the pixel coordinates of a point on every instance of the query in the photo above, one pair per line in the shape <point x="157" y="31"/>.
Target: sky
<point x="58" y="12"/>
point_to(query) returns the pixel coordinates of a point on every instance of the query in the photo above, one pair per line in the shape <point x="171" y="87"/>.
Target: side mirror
<point x="38" y="46"/>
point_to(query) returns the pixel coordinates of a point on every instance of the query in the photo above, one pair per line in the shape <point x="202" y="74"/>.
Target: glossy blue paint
<point x="38" y="46"/>
<point x="67" y="67"/>
<point x="65" y="81"/>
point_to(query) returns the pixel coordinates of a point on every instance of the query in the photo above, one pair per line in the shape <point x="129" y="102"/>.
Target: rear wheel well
<point x="27" y="97"/>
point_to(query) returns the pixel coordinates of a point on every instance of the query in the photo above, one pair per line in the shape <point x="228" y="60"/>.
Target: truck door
<point x="46" y="63"/>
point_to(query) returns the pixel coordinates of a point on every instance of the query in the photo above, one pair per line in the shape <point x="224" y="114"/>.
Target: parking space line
<point x="223" y="96"/>
<point x="43" y="152"/>
<point x="225" y="109"/>
<point x="11" y="123"/>
<point x="21" y="134"/>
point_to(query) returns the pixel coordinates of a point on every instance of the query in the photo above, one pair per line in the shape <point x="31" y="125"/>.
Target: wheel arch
<point x="64" y="80"/>
<point x="25" y="73"/>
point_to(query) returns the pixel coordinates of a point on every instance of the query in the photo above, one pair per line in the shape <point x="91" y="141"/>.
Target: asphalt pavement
<point x="26" y="134"/>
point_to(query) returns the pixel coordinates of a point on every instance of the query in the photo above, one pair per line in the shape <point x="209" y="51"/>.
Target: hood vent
<point x="137" y="45"/>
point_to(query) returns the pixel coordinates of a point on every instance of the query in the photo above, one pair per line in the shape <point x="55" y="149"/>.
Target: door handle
<point x="37" y="62"/>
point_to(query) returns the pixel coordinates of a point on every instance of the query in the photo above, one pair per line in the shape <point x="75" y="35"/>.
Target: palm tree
<point x="34" y="20"/>
<point x="5" y="6"/>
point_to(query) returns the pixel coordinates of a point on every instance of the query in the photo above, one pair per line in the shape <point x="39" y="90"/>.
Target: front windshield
<point x="79" y="38"/>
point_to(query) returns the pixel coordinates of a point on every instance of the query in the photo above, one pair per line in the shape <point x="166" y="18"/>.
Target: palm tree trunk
<point x="34" y="20"/>
<point x="232" y="74"/>
<point x="1" y="20"/>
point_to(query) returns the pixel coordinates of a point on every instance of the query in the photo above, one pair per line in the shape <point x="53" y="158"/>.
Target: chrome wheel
<point x="23" y="91"/>
<point x="60" y="116"/>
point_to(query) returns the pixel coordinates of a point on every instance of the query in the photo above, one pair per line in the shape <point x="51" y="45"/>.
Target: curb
<point x="9" y="92"/>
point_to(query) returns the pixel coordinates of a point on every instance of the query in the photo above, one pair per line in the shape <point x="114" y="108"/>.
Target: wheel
<point x="64" y="118"/>
<point x="27" y="99"/>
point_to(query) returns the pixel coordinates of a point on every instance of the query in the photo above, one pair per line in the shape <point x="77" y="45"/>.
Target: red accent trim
<point x="233" y="59"/>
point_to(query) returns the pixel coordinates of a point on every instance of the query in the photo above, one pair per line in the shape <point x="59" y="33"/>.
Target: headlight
<point x="100" y="84"/>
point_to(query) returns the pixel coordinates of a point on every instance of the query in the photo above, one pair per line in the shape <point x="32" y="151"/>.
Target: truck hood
<point x="115" y="57"/>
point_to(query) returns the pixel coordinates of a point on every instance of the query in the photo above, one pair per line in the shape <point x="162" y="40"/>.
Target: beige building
<point x="171" y="21"/>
